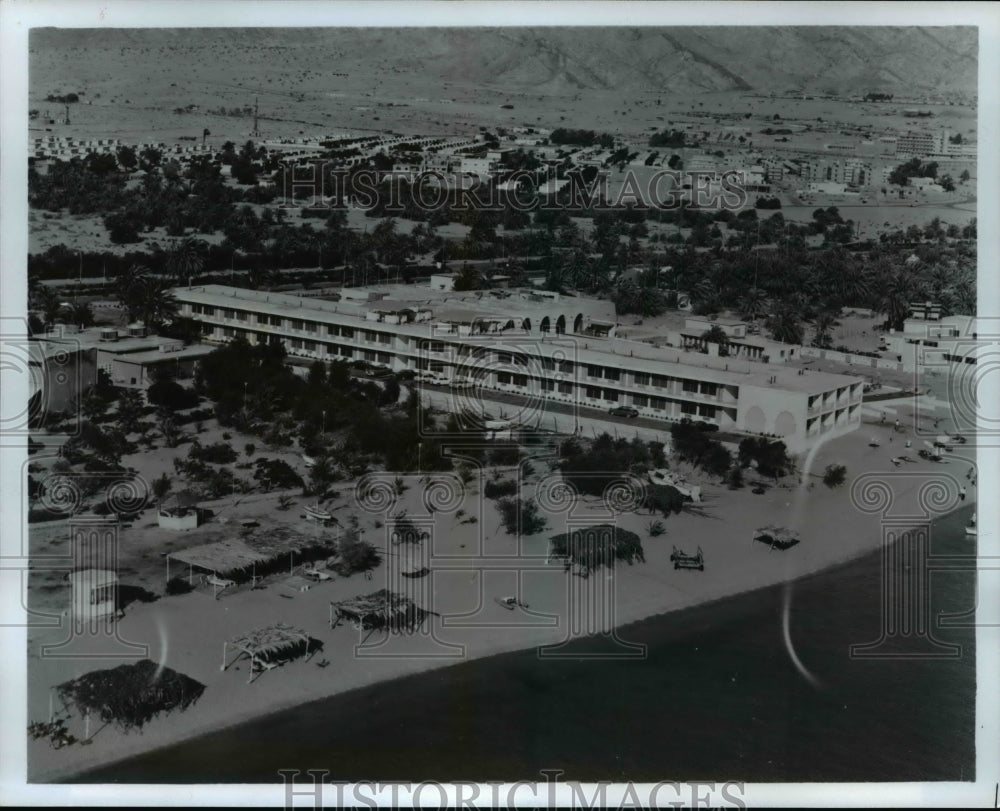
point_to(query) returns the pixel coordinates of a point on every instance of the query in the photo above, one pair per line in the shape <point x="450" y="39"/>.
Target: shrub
<point x="834" y="476"/>
<point x="735" y="478"/>
<point x="219" y="453"/>
<point x="520" y="516"/>
<point x="500" y="488"/>
<point x="178" y="585"/>
<point x="356" y="555"/>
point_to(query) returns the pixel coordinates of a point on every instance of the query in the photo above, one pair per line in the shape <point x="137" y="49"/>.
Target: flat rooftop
<point x="581" y="349"/>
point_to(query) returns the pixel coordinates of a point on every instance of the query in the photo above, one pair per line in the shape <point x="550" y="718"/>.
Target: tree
<point x="129" y="409"/>
<point x="81" y="314"/>
<point x="964" y="176"/>
<point x="127" y="158"/>
<point x="785" y="326"/>
<point x="823" y="324"/>
<point x="717" y="335"/>
<point x="834" y="476"/>
<point x="186" y="259"/>
<point x="161" y="487"/>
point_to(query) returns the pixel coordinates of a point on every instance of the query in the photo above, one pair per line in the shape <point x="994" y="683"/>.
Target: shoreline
<point x="499" y="646"/>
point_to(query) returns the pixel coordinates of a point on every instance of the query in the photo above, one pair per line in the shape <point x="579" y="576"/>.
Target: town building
<point x="540" y="345"/>
<point x="931" y="341"/>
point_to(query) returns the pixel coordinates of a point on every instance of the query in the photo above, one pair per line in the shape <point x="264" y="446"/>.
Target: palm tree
<point x="753" y="304"/>
<point x="785" y="325"/>
<point x="893" y="297"/>
<point x="823" y="324"/>
<point x="81" y="314"/>
<point x="186" y="259"/>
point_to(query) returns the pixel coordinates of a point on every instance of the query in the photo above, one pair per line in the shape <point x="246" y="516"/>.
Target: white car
<point x="461" y="383"/>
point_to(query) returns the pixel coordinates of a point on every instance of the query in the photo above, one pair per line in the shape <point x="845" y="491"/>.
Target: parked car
<point x="461" y="383"/>
<point x="624" y="411"/>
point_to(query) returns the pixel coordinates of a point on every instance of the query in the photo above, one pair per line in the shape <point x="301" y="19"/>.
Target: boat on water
<point x="317" y="513"/>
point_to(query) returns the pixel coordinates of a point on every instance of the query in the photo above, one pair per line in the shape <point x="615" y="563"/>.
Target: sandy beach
<point x="472" y="564"/>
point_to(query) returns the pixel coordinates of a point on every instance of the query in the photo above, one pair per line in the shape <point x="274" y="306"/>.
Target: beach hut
<point x="179" y="512"/>
<point x="94" y="594"/>
<point x="268" y="647"/>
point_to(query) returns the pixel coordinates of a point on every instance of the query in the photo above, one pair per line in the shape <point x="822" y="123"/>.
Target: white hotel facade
<point x="542" y="346"/>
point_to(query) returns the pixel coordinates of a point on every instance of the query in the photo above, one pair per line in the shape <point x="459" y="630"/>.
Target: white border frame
<point x="18" y="16"/>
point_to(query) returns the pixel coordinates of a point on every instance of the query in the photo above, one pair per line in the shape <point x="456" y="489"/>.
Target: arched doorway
<point x="545" y="326"/>
<point x="509" y="324"/>
<point x="578" y="322"/>
<point x="754" y="420"/>
<point x="561" y="325"/>
<point x="526" y="325"/>
<point x="784" y="425"/>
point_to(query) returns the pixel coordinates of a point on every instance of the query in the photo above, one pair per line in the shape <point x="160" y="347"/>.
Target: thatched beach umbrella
<point x="268" y="645"/>
<point x="129" y="695"/>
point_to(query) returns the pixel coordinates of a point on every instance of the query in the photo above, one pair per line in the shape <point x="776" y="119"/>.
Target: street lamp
<point x="245" y="395"/>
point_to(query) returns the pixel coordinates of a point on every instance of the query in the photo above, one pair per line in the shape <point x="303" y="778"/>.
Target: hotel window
<point x="640" y="400"/>
<point x="297" y="324"/>
<point x="208" y="310"/>
<point x="593" y="371"/>
<point x="611" y="394"/>
<point x="207" y="329"/>
<point x="347" y="332"/>
<point x="332" y="330"/>
<point x="384" y="357"/>
<point x="296" y="343"/>
<point x="641" y="378"/>
<point x="196" y="309"/>
<point x="384" y="338"/>
<point x="229" y="314"/>
<point x="370" y="337"/>
<point x="437" y="346"/>
<point x="311" y="326"/>
<point x="241" y="315"/>
<point x="706" y="411"/>
<point x="520" y="380"/>
<point x="611" y="374"/>
<point x="548" y="364"/>
<point x="566" y="366"/>
<point x="228" y="332"/>
<point x="503" y="378"/>
<point x="689" y="408"/>
<point x="548" y="385"/>
<point x="369" y="356"/>
<point x="310" y="346"/>
<point x="505" y="357"/>
<point x="660" y="381"/>
<point x="275" y="320"/>
<point x="658" y="403"/>
<point x="690" y="385"/>
<point x="565" y="388"/>
<point x="346" y="351"/>
<point x="593" y="392"/>
<point x="709" y="388"/>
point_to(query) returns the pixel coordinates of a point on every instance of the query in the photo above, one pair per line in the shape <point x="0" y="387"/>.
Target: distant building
<point x="929" y="340"/>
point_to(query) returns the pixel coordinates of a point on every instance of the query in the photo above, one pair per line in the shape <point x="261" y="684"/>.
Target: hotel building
<point x="538" y="345"/>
